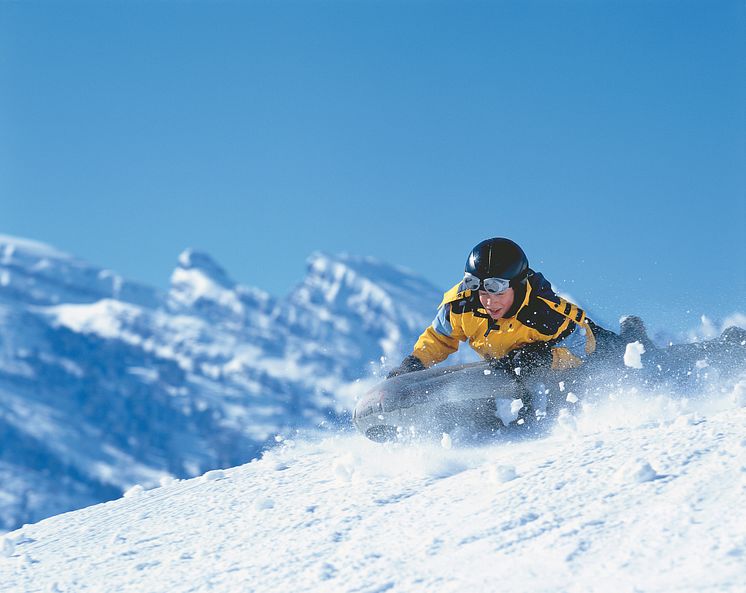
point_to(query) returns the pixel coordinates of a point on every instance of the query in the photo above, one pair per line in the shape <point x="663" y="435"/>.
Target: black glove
<point x="529" y="358"/>
<point x="409" y="364"/>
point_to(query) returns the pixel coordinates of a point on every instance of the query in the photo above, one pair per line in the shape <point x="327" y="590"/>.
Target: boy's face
<point x="497" y="305"/>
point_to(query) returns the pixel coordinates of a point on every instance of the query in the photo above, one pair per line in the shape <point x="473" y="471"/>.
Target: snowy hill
<point x="105" y="383"/>
<point x="634" y="493"/>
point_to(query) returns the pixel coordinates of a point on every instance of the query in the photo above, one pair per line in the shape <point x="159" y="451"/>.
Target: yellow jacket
<point x="540" y="316"/>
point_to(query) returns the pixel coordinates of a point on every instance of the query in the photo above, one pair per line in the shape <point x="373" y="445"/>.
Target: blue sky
<point x="608" y="138"/>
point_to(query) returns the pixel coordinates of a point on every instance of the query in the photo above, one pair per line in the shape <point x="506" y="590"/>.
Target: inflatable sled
<point x="477" y="399"/>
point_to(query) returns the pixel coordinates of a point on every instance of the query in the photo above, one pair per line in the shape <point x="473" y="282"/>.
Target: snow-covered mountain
<point x="634" y="493"/>
<point x="105" y="383"/>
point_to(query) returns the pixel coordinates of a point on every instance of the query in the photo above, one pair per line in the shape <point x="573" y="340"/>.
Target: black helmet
<point x="498" y="258"/>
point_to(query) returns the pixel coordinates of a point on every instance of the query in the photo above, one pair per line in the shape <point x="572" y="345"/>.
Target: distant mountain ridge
<point x="105" y="382"/>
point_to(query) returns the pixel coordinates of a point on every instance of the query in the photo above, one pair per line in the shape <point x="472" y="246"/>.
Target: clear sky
<point x="608" y="138"/>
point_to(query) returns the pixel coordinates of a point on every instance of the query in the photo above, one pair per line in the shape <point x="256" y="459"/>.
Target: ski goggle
<point x="491" y="285"/>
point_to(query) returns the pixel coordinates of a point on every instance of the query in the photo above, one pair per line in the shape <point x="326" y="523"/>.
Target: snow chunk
<point x="636" y="471"/>
<point x="507" y="410"/>
<point x="446" y="441"/>
<point x="502" y="473"/>
<point x="572" y="398"/>
<point x="633" y="354"/>
<point x="562" y="385"/>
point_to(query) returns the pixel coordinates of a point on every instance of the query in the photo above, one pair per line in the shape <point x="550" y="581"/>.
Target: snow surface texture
<point x="649" y="500"/>
<point x="105" y="383"/>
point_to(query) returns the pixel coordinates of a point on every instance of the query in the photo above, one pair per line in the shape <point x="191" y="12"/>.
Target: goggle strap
<point x="520" y="277"/>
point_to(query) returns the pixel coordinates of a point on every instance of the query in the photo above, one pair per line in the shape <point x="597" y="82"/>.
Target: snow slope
<point x="634" y="493"/>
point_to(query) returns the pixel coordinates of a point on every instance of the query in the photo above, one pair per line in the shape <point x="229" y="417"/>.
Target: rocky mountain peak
<point x="35" y="273"/>
<point x="201" y="262"/>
